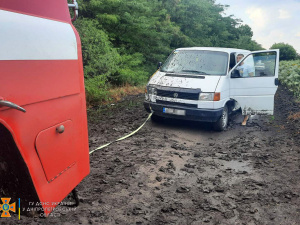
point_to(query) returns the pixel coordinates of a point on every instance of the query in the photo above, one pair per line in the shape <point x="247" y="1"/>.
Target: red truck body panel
<point x="54" y="10"/>
<point x="41" y="70"/>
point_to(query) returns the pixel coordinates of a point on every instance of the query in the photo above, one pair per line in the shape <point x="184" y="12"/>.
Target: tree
<point x="123" y="40"/>
<point x="287" y="52"/>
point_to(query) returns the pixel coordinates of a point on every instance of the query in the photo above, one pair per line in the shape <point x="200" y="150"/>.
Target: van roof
<point x="228" y="50"/>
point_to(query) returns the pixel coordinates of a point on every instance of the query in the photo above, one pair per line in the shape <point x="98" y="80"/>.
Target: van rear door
<point x="254" y="81"/>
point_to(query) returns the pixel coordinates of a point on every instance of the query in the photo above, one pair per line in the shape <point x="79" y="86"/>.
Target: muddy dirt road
<point x="180" y="172"/>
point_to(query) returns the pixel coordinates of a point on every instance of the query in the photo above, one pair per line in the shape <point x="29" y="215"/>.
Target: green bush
<point x="96" y="90"/>
<point x="104" y="65"/>
<point x="99" y="56"/>
<point x="131" y="72"/>
<point x="289" y="74"/>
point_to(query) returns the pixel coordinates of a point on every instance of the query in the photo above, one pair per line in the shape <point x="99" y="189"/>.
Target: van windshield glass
<point x="199" y="62"/>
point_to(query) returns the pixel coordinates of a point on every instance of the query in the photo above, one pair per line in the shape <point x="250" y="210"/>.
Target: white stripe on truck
<point x="24" y="37"/>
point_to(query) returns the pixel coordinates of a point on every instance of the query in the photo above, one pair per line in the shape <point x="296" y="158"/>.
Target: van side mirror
<point x="235" y="74"/>
<point x="74" y="6"/>
<point x="159" y="65"/>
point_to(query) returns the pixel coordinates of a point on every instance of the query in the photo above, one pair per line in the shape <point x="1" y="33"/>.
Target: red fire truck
<point x="44" y="150"/>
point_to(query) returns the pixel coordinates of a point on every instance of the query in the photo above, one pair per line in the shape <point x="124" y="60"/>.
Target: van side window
<point x="258" y="65"/>
<point x="246" y="67"/>
<point x="264" y="63"/>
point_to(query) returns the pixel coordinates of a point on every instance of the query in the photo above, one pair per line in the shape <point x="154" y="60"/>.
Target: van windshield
<point x="199" y="62"/>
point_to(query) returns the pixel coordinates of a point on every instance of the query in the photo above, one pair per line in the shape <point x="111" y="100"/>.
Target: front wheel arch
<point x="230" y="103"/>
<point x="16" y="181"/>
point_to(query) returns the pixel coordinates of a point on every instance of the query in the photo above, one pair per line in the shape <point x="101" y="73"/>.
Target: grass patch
<point x="116" y="94"/>
<point x="108" y="108"/>
<point x="97" y="95"/>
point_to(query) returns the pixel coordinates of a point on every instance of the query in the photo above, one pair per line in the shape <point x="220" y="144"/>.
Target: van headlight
<point x="206" y="96"/>
<point x="216" y="96"/>
<point x="151" y="90"/>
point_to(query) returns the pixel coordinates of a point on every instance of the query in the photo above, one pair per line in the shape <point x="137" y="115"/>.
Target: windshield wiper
<point x="165" y="71"/>
<point x="195" y="71"/>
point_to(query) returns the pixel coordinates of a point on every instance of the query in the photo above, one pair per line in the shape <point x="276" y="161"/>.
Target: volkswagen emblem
<point x="175" y="95"/>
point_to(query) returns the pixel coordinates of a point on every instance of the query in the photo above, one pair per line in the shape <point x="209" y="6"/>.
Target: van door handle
<point x="11" y="105"/>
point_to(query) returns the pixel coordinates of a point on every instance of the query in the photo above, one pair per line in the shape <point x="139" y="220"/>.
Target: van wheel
<point x="221" y="124"/>
<point x="156" y="119"/>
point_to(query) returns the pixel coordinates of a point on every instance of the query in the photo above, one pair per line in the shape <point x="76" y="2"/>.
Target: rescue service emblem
<point x="6" y="207"/>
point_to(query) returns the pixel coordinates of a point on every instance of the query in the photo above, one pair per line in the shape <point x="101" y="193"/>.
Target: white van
<point x="207" y="84"/>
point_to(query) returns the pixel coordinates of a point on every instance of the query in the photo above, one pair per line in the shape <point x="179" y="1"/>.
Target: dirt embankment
<point x="180" y="172"/>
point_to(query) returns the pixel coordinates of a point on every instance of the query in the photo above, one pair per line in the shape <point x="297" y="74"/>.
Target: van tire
<point x="222" y="122"/>
<point x="156" y="118"/>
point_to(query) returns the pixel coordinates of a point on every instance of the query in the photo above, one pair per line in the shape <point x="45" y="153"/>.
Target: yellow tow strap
<point x="122" y="138"/>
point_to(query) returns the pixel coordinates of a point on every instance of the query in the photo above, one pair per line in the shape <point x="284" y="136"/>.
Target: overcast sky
<point x="272" y="21"/>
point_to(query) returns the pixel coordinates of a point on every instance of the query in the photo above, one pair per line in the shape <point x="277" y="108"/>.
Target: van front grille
<point x="178" y="94"/>
<point x="167" y="103"/>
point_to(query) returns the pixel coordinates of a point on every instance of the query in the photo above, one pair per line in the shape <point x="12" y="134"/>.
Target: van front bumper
<point x="204" y="115"/>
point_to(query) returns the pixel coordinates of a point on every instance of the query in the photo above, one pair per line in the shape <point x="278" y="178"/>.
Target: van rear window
<point x="198" y="62"/>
